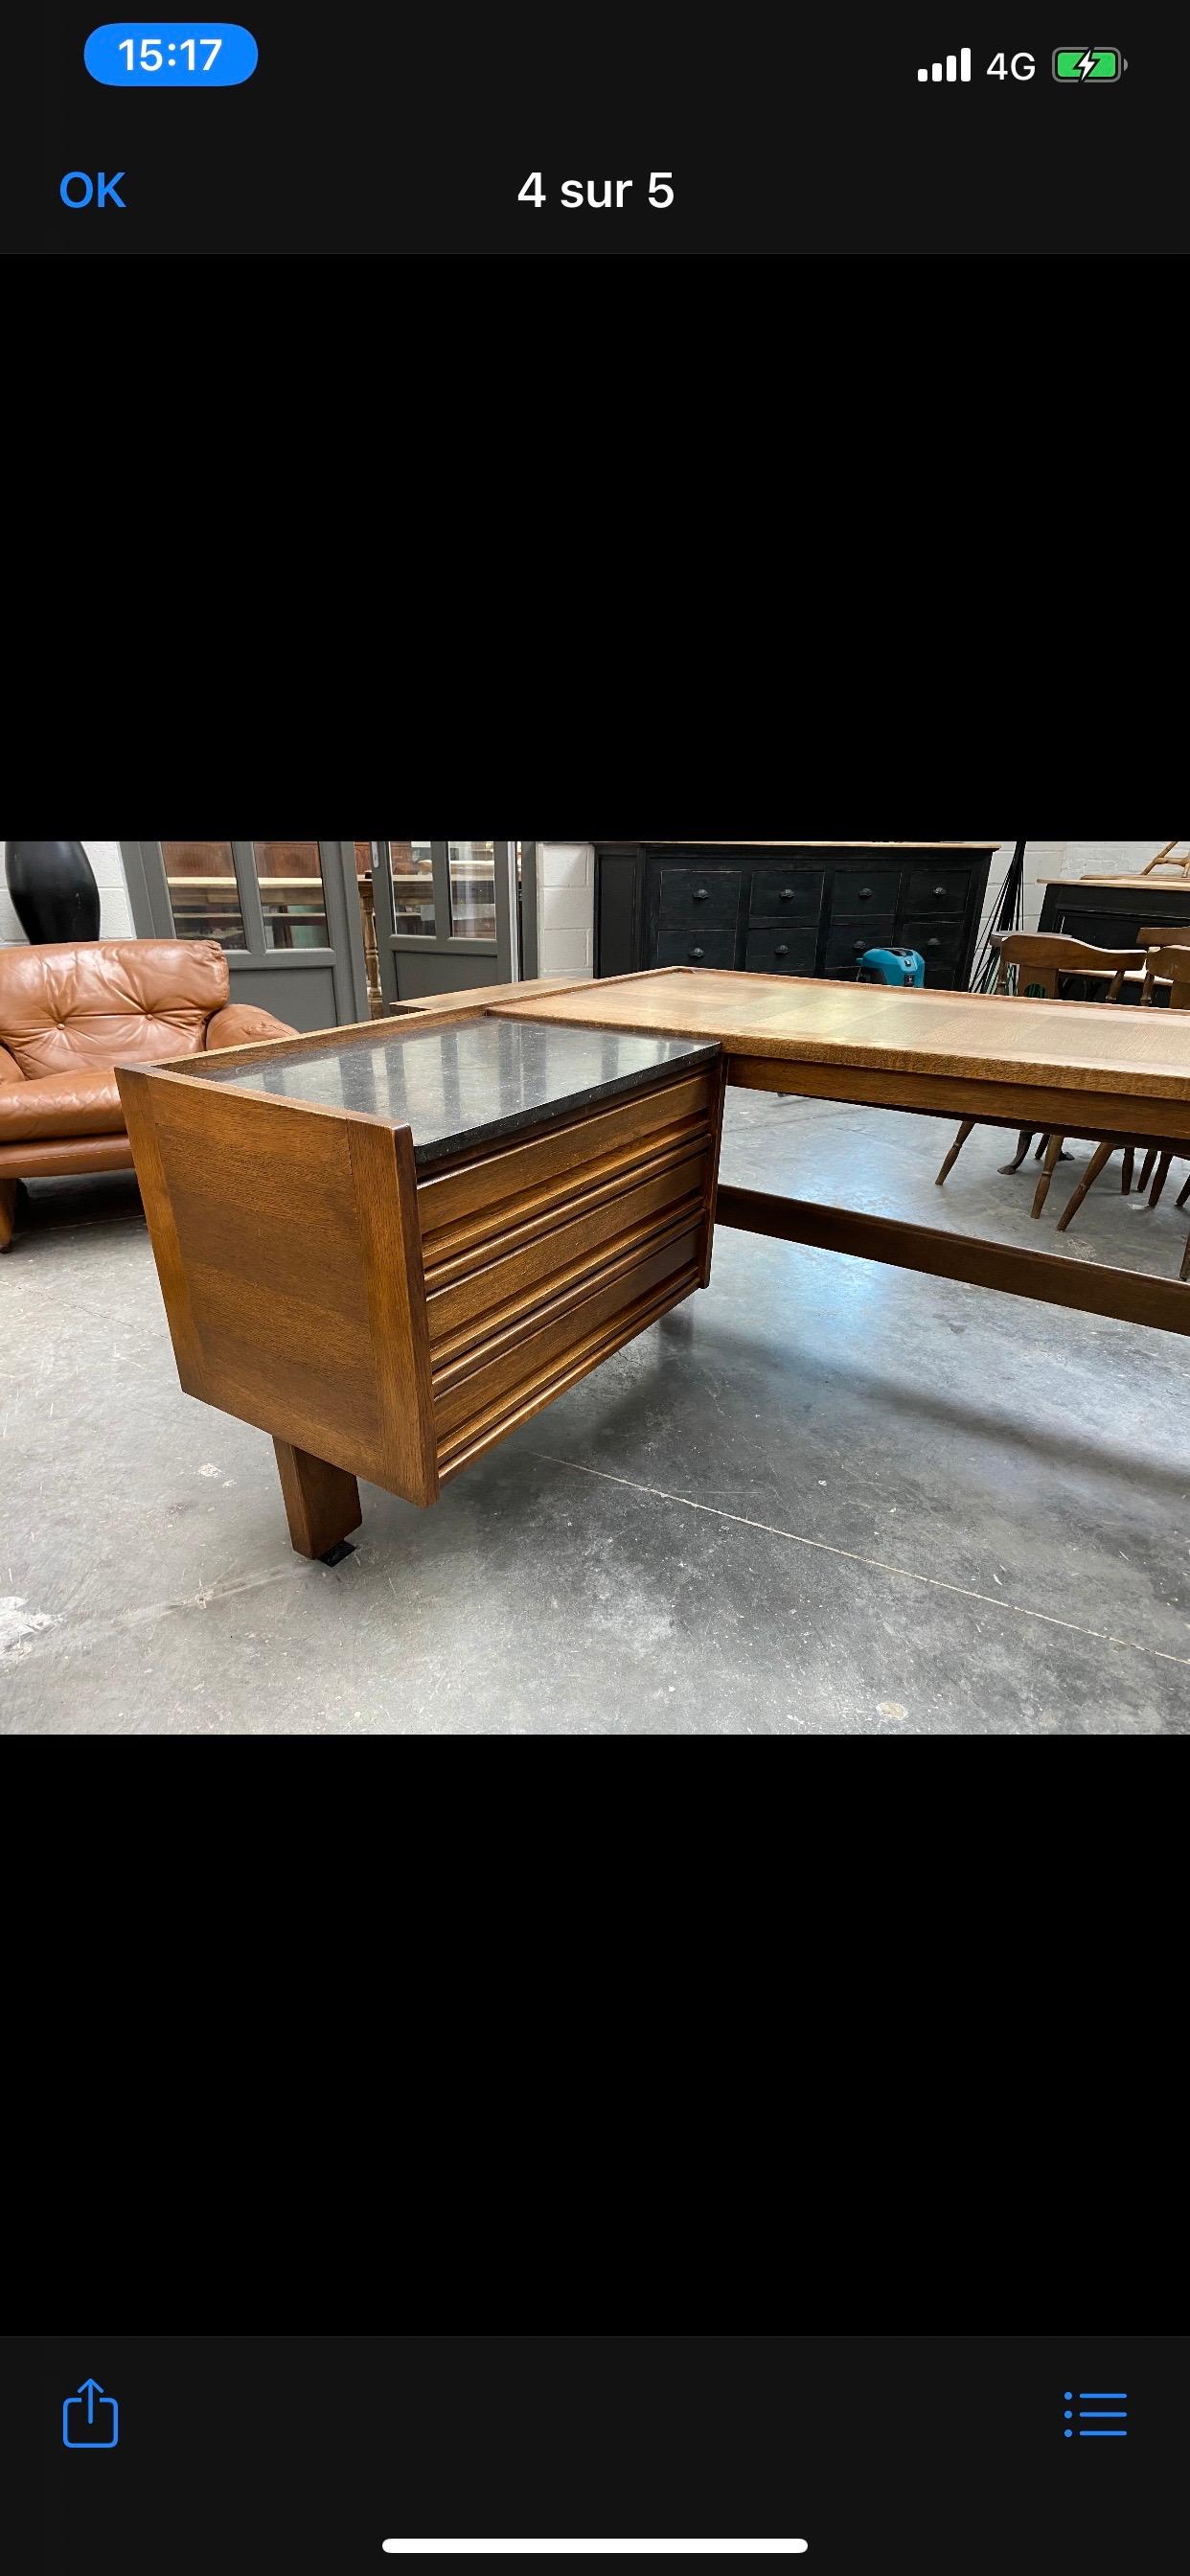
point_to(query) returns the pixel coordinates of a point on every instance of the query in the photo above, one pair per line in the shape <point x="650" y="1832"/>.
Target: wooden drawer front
<point x="503" y="1297"/>
<point x="932" y="890"/>
<point x="782" y="951"/>
<point x="858" y="892"/>
<point x="938" y="941"/>
<point x="849" y="939"/>
<point x="475" y="1405"/>
<point x="787" y="894"/>
<point x="708" y="898"/>
<point x="472" y="1203"/>
<point x="695" y="947"/>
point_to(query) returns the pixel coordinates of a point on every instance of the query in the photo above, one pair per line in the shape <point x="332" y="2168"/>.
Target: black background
<point x="389" y="128"/>
<point x="935" y="2453"/>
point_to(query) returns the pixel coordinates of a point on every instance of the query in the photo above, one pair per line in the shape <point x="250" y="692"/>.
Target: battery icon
<point x="1089" y="63"/>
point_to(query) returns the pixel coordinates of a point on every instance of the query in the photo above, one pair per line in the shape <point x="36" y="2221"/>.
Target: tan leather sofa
<point x="69" y="1015"/>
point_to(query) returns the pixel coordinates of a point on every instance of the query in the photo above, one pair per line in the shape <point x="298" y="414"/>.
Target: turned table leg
<point x="322" y="1502"/>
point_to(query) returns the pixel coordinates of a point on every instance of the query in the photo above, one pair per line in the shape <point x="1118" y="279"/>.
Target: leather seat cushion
<point x="63" y="1008"/>
<point x="83" y="1103"/>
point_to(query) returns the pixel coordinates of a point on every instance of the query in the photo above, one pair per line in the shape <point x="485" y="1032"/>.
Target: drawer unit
<point x="787" y="894"/>
<point x="702" y="904"/>
<point x="705" y="898"/>
<point x="848" y="940"/>
<point x="782" y="951"/>
<point x="475" y="1405"/>
<point x="938" y="940"/>
<point x="858" y="892"/>
<point x="933" y="890"/>
<point x="696" y="947"/>
<point x="542" y="1256"/>
<point x="389" y="1246"/>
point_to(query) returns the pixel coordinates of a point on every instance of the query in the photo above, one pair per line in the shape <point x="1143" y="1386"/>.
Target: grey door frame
<point x="152" y="916"/>
<point x="444" y="941"/>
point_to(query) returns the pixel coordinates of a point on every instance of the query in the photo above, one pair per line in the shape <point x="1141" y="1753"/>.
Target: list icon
<point x="1096" y="2414"/>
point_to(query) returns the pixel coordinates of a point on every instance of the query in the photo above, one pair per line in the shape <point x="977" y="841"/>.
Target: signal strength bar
<point x="958" y="67"/>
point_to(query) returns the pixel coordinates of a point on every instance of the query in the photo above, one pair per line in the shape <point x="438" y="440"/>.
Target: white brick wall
<point x="566" y="908"/>
<point x="115" y="914"/>
<point x="1069" y="859"/>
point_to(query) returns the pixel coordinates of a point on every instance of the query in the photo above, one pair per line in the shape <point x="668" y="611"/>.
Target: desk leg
<point x="8" y="1200"/>
<point x="322" y="1502"/>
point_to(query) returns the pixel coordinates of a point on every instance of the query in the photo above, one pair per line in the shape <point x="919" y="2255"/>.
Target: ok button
<point x="79" y="189"/>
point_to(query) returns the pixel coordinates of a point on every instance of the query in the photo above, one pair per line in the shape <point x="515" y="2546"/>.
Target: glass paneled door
<point x="286" y="914"/>
<point x="452" y="912"/>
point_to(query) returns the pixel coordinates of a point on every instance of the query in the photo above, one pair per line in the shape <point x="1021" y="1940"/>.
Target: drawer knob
<point x="783" y="950"/>
<point x="787" y="894"/>
<point x="860" y="947"/>
<point x="865" y="894"/>
<point x="932" y="943"/>
<point x="702" y="894"/>
<point x="695" y="953"/>
<point x="939" y="894"/>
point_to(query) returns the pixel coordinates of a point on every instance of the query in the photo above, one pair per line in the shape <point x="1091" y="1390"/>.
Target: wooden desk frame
<point x="1131" y="1297"/>
<point x="372" y="1412"/>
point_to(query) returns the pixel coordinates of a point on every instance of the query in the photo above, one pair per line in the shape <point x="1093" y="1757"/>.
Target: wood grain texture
<point x="322" y="1503"/>
<point x="1071" y="1046"/>
<point x="138" y="1098"/>
<point x="302" y="1297"/>
<point x="510" y="1223"/>
<point x="489" y="1402"/>
<point x="390" y="1238"/>
<point x="989" y="1103"/>
<point x="270" y="1244"/>
<point x="512" y="1285"/>
<point x="1132" y="1296"/>
<point x="466" y="1189"/>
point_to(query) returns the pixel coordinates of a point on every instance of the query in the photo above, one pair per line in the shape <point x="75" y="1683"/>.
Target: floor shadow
<point x="47" y="1208"/>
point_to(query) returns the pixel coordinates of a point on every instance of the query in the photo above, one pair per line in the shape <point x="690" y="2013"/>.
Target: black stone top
<point x="462" y="1086"/>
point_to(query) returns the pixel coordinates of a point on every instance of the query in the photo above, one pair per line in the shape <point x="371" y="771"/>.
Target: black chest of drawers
<point x="786" y="910"/>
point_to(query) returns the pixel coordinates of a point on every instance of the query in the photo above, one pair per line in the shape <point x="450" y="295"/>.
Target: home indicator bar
<point x="596" y="2548"/>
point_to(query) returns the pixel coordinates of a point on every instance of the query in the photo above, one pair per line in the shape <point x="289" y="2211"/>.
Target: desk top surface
<point x="465" y="1085"/>
<point x="1076" y="1046"/>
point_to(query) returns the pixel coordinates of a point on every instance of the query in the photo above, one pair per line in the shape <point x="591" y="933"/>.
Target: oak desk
<point x="1008" y="1063"/>
<point x="389" y="1245"/>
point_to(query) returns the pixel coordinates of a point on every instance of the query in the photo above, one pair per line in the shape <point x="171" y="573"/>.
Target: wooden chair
<point x="1041" y="964"/>
<point x="1170" y="964"/>
<point x="1163" y="966"/>
<point x="1158" y="936"/>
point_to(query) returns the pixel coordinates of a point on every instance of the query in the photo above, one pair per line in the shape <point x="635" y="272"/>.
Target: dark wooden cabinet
<point x="796" y="910"/>
<point x="1112" y="916"/>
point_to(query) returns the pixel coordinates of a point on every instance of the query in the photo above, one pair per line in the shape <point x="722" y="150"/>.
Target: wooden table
<point x="388" y="1246"/>
<point x="1008" y="1063"/>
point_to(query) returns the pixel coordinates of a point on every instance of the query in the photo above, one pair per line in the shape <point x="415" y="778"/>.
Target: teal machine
<point x="901" y="966"/>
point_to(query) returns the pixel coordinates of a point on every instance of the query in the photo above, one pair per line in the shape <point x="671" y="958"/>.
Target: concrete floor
<point x="824" y="1498"/>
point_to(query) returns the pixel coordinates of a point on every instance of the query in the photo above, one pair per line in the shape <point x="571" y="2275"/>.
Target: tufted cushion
<point x="109" y="1002"/>
<point x="83" y="1103"/>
